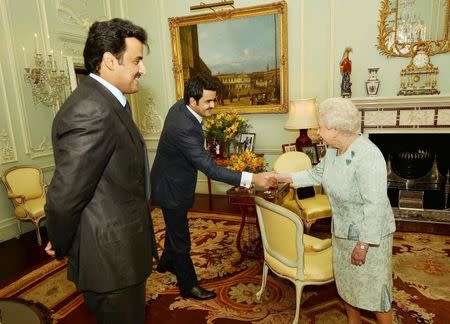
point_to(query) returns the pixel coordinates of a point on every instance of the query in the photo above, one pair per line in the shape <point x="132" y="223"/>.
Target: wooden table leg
<point x="209" y="193"/>
<point x="239" y="235"/>
<point x="256" y="253"/>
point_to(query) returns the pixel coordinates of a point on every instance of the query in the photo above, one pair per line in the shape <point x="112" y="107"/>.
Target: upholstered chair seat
<point x="26" y="190"/>
<point x="309" y="209"/>
<point x="289" y="253"/>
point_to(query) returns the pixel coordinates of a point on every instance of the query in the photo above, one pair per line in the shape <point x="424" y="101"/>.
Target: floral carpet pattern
<point x="421" y="283"/>
<point x="421" y="270"/>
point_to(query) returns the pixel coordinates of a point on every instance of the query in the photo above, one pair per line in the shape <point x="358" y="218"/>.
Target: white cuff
<point x="246" y="179"/>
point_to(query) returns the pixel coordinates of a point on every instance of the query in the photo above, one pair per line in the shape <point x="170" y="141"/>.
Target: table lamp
<point x="302" y="116"/>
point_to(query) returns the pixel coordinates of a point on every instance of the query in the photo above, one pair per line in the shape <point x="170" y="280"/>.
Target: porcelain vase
<point x="372" y="84"/>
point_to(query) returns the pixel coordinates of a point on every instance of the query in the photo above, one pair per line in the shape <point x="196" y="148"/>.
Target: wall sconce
<point x="48" y="84"/>
<point x="302" y="115"/>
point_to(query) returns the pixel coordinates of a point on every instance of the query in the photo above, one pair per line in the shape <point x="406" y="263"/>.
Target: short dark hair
<point x="195" y="86"/>
<point x="109" y="36"/>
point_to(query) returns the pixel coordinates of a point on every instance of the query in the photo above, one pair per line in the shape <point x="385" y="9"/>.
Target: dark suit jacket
<point x="97" y="204"/>
<point x="180" y="154"/>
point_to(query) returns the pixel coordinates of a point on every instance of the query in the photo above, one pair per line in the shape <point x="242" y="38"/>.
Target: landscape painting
<point x="245" y="52"/>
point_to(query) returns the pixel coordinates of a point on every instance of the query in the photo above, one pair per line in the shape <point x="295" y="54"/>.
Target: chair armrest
<point x="314" y="244"/>
<point x="18" y="198"/>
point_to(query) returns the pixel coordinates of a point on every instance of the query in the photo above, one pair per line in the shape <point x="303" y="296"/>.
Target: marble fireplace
<point x="413" y="132"/>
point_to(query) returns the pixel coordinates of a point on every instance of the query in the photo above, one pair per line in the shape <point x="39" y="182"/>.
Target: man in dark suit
<point x="98" y="200"/>
<point x="174" y="176"/>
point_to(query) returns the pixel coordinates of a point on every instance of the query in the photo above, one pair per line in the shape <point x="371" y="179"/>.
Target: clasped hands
<point x="267" y="180"/>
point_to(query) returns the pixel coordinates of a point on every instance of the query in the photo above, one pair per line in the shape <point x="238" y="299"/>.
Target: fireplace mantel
<point x="404" y="114"/>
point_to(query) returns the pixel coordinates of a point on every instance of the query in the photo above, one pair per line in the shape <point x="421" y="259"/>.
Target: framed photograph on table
<point x="288" y="147"/>
<point x="311" y="152"/>
<point x="247" y="141"/>
<point x="321" y="150"/>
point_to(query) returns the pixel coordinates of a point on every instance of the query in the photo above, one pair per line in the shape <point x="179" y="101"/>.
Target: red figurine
<point x="346" y="70"/>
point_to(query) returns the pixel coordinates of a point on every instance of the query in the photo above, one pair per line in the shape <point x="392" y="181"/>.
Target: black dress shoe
<point x="164" y="268"/>
<point x="199" y="293"/>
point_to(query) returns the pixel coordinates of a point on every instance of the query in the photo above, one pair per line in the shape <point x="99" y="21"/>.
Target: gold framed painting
<point x="244" y="50"/>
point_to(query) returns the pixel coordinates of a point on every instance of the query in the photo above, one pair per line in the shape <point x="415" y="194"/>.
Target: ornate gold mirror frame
<point x="388" y="42"/>
<point x="244" y="49"/>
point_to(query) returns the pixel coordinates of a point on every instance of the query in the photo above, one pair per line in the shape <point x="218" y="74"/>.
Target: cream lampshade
<point x="302" y="116"/>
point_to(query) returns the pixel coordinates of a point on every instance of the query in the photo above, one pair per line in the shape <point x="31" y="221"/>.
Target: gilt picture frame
<point x="244" y="50"/>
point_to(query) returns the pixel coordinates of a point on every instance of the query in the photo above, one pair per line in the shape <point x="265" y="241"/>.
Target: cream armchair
<point x="290" y="254"/>
<point x="308" y="209"/>
<point x="26" y="190"/>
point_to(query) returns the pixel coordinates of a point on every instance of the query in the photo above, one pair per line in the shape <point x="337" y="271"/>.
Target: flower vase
<point x="372" y="84"/>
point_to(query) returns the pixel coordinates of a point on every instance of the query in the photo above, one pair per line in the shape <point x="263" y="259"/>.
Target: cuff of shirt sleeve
<point x="246" y="179"/>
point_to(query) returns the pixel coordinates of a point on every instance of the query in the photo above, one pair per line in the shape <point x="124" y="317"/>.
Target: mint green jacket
<point x="356" y="185"/>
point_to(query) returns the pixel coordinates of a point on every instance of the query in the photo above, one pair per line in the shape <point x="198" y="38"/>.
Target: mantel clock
<point x="420" y="76"/>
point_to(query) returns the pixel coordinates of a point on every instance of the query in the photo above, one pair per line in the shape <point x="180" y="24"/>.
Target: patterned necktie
<point x="128" y="108"/>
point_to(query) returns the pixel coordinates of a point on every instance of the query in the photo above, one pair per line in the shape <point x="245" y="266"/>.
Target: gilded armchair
<point x="290" y="254"/>
<point x="26" y="191"/>
<point x="309" y="209"/>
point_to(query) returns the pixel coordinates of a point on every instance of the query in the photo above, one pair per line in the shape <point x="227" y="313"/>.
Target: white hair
<point x="340" y="114"/>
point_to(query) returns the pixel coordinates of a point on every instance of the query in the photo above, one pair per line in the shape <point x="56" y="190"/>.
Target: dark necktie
<point x="128" y="108"/>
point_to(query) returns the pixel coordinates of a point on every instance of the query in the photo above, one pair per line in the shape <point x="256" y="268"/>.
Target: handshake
<point x="267" y="180"/>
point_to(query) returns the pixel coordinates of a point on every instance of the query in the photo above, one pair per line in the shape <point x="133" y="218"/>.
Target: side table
<point x="222" y="163"/>
<point x="17" y="311"/>
<point x="243" y="198"/>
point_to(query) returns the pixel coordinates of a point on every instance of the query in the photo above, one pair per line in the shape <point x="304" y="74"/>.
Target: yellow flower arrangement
<point x="247" y="161"/>
<point x="224" y="127"/>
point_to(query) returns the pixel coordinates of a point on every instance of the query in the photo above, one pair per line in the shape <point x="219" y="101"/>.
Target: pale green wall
<point x="318" y="32"/>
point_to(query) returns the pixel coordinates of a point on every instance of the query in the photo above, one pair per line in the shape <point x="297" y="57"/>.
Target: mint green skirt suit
<point x="356" y="185"/>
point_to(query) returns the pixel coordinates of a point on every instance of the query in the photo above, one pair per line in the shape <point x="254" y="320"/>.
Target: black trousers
<point x="122" y="306"/>
<point x="177" y="248"/>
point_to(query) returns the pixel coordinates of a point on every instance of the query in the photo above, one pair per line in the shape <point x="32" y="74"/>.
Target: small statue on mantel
<point x="346" y="70"/>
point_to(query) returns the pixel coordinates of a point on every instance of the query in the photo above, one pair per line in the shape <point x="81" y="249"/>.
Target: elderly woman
<point x="353" y="173"/>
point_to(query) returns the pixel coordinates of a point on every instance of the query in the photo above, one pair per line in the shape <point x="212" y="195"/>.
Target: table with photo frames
<point x="220" y="162"/>
<point x="19" y="310"/>
<point x="244" y="199"/>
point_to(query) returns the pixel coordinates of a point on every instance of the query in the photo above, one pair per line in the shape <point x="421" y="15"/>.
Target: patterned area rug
<point x="421" y="280"/>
